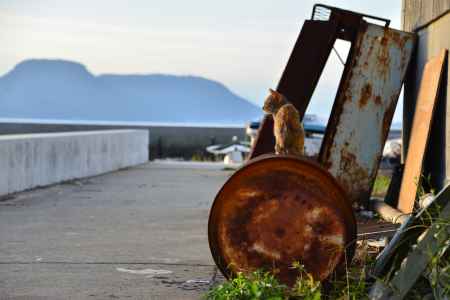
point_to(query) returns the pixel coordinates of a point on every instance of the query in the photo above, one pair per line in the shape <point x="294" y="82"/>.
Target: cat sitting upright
<point x="288" y="130"/>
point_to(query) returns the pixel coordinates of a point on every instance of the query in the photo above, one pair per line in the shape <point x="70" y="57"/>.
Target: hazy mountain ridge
<point x="59" y="89"/>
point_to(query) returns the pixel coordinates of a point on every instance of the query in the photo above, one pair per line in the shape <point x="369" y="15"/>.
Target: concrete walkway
<point x="139" y="233"/>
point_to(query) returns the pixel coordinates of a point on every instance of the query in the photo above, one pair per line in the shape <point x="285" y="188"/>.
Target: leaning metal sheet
<point x="364" y="107"/>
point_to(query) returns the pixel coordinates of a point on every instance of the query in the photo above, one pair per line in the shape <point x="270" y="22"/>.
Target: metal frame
<point x="305" y="65"/>
<point x="372" y="76"/>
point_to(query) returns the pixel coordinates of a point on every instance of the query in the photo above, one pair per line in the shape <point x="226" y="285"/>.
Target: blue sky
<point x="244" y="44"/>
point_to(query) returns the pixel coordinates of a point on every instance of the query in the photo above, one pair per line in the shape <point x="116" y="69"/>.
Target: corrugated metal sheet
<point x="364" y="108"/>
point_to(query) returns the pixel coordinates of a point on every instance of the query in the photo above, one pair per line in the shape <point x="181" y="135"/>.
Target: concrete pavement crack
<point x="212" y="281"/>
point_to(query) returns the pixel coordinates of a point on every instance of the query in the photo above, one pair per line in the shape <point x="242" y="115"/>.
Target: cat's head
<point x="274" y="102"/>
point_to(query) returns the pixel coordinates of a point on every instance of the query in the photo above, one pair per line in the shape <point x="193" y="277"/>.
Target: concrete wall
<point x="166" y="141"/>
<point x="32" y="160"/>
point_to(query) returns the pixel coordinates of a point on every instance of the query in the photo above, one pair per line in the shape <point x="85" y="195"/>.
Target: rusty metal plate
<point x="426" y="99"/>
<point x="277" y="210"/>
<point x="364" y="107"/>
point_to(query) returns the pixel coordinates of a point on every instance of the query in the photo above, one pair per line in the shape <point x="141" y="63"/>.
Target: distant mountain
<point x="58" y="89"/>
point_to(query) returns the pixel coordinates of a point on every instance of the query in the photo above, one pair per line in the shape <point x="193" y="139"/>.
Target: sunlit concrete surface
<point x="138" y="233"/>
<point x="31" y="160"/>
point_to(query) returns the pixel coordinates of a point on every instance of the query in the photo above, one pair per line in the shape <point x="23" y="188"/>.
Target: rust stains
<point x="398" y="39"/>
<point x="366" y="93"/>
<point x="378" y="100"/>
<point x="298" y="212"/>
<point x="342" y="97"/>
<point x="352" y="176"/>
<point x="384" y="59"/>
<point x="365" y="65"/>
<point x="276" y="228"/>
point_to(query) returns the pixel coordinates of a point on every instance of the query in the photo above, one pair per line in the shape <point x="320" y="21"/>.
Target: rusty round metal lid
<point x="277" y="210"/>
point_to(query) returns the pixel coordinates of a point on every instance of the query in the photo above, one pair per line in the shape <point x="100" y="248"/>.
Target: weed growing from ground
<point x="305" y="287"/>
<point x="256" y="285"/>
<point x="263" y="285"/>
<point x="381" y="185"/>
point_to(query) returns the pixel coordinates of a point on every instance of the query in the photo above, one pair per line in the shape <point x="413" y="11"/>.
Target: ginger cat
<point x="288" y="130"/>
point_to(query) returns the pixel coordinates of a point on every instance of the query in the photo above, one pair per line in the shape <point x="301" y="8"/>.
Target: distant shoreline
<point x="394" y="126"/>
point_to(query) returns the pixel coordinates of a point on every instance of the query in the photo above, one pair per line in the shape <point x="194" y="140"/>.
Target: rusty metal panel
<point x="428" y="94"/>
<point x="300" y="77"/>
<point x="364" y="107"/>
<point x="278" y="210"/>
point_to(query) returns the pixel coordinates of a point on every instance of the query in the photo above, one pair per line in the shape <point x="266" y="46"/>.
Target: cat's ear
<point x="272" y="92"/>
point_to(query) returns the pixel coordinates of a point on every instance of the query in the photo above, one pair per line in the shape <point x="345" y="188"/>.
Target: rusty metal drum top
<point x="277" y="210"/>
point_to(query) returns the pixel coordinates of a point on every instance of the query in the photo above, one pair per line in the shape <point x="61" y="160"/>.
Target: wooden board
<point x="426" y="99"/>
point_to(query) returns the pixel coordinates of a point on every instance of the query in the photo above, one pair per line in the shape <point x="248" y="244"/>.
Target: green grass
<point x="381" y="185"/>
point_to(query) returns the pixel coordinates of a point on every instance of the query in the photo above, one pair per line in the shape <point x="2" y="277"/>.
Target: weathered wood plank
<point x="428" y="93"/>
